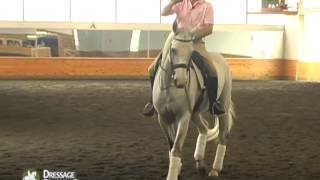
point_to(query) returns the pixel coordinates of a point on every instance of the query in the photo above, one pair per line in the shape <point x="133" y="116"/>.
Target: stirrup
<point x="148" y="110"/>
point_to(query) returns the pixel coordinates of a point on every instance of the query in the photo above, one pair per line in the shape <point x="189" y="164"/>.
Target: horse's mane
<point x="181" y="30"/>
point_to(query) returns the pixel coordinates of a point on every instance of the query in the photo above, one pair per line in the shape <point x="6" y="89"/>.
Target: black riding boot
<point x="148" y="108"/>
<point x="215" y="106"/>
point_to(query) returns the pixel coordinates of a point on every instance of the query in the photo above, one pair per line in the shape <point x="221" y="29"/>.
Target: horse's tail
<point x="214" y="132"/>
<point x="231" y="116"/>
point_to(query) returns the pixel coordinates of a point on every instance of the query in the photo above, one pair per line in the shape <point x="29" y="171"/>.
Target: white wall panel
<point x="311" y="37"/>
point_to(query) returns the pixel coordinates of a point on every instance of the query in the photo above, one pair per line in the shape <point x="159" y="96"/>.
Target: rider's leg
<point x="216" y="107"/>
<point x="148" y="108"/>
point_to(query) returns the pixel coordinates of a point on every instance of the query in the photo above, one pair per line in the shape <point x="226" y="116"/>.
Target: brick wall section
<point x="128" y="68"/>
<point x="308" y="71"/>
<point x="262" y="69"/>
<point x="73" y="67"/>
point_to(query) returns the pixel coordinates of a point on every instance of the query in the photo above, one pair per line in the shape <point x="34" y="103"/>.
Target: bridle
<point x="180" y="65"/>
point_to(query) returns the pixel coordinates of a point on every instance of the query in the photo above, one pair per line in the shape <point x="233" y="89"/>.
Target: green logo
<point x="31" y="174"/>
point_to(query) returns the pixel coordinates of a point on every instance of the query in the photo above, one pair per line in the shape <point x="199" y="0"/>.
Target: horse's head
<point x="180" y="55"/>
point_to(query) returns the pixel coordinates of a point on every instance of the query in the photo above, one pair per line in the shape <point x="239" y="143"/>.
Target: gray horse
<point x="175" y="95"/>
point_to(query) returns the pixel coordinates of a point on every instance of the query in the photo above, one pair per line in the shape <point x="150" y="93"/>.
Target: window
<point x="166" y="19"/>
<point x="93" y="11"/>
<point x="254" y="5"/>
<point x="311" y="4"/>
<point x="11" y="10"/>
<point x="229" y="11"/>
<point x="138" y="11"/>
<point x="47" y="10"/>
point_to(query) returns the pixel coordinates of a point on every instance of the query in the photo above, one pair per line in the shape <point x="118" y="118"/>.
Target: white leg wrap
<point x="174" y="168"/>
<point x="200" y="147"/>
<point x="218" y="160"/>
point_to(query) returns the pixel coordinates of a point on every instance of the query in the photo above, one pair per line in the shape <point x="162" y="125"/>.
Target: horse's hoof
<point x="174" y="178"/>
<point x="214" y="173"/>
<point x="201" y="167"/>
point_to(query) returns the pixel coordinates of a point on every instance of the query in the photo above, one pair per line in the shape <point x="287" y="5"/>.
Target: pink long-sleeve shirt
<point x="193" y="15"/>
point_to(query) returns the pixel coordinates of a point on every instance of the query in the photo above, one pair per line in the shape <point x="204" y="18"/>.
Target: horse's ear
<point x="175" y="27"/>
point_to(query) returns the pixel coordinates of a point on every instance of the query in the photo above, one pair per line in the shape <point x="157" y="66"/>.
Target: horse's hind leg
<point x="199" y="152"/>
<point x="221" y="148"/>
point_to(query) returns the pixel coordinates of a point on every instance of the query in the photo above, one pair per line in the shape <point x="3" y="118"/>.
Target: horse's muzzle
<point x="179" y="82"/>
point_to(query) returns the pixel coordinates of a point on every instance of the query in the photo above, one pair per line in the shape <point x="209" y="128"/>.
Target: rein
<point x="186" y="91"/>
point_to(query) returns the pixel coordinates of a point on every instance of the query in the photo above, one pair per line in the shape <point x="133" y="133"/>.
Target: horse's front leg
<point x="176" y="151"/>
<point x="168" y="131"/>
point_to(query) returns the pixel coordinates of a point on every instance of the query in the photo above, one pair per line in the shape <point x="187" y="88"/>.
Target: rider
<point x="198" y="15"/>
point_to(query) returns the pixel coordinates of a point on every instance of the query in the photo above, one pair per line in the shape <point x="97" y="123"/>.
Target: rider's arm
<point x="206" y="28"/>
<point x="168" y="9"/>
<point x="202" y="32"/>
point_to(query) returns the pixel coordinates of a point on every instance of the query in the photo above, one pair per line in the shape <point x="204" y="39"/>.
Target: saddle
<point x="202" y="73"/>
<point x="200" y="68"/>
